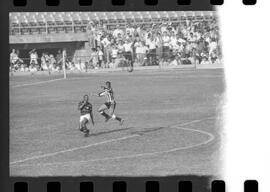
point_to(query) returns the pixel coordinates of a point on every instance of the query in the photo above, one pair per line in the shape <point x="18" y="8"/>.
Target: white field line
<point x="81" y="78"/>
<point x="194" y="121"/>
<point x="71" y="149"/>
<point x="179" y="126"/>
<point x="211" y="138"/>
<point x="37" y="83"/>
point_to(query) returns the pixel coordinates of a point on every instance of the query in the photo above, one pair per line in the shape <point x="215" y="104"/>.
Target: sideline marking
<point x="36" y="83"/>
<point x="81" y="78"/>
<point x="72" y="149"/>
<point x="176" y="126"/>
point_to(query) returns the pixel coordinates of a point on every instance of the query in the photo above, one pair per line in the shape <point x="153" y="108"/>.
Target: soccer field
<point x="172" y="124"/>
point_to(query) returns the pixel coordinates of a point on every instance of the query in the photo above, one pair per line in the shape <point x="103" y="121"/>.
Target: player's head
<point x="85" y="98"/>
<point x="108" y="84"/>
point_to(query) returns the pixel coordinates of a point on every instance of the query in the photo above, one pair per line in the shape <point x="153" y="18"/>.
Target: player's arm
<point x="92" y="117"/>
<point x="81" y="105"/>
<point x="101" y="93"/>
<point x="96" y="94"/>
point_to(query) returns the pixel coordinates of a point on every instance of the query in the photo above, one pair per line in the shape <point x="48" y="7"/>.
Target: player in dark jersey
<point x="109" y="105"/>
<point x="86" y="113"/>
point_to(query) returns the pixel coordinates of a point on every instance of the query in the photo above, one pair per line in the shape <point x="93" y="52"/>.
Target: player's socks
<point x="83" y="128"/>
<point x="121" y="121"/>
<point x="118" y="119"/>
<point x="86" y="133"/>
<point x="107" y="117"/>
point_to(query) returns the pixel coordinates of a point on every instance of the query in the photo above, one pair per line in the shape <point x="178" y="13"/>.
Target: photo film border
<point x="21" y="3"/>
<point x="186" y="183"/>
<point x="122" y="186"/>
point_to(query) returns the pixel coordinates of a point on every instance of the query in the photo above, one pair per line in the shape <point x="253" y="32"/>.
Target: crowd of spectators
<point x="44" y="62"/>
<point x="189" y="42"/>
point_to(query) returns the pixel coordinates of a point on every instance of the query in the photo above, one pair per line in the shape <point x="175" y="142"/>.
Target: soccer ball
<point x="130" y="69"/>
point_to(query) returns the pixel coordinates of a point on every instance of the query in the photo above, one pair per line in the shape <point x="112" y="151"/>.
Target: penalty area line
<point x="176" y="126"/>
<point x="72" y="149"/>
<point x="193" y="121"/>
<point x="211" y="137"/>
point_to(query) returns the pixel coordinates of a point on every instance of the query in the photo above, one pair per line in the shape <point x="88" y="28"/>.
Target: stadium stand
<point x="23" y="23"/>
<point x="95" y="40"/>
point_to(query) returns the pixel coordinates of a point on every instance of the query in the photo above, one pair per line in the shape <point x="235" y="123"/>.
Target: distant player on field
<point x="86" y="113"/>
<point x="109" y="105"/>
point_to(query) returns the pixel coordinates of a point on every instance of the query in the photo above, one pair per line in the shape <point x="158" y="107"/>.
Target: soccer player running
<point x="86" y="113"/>
<point x="109" y="105"/>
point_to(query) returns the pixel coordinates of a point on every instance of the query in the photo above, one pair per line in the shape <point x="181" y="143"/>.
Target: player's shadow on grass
<point x="148" y="130"/>
<point x="141" y="132"/>
<point x="111" y="131"/>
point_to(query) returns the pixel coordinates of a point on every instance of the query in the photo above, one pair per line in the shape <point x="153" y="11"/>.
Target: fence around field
<point x="107" y="61"/>
<point x="88" y="67"/>
<point x="109" y="70"/>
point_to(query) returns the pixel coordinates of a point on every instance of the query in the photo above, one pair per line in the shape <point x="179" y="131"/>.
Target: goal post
<point x="64" y="54"/>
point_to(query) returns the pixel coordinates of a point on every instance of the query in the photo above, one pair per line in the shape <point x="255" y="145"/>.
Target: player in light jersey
<point x="109" y="105"/>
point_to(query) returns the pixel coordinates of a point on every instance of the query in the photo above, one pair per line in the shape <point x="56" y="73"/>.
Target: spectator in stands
<point x="43" y="62"/>
<point x="33" y="58"/>
<point x="100" y="58"/>
<point x="204" y="61"/>
<point x="13" y="57"/>
<point x="152" y="49"/>
<point x="46" y="62"/>
<point x="140" y="52"/>
<point x="166" y="46"/>
<point x="59" y="58"/>
<point x="128" y="52"/>
<point x="159" y="44"/>
<point x="118" y="32"/>
<point x="212" y="46"/>
<point x="72" y="66"/>
<point x="33" y="68"/>
<point x="15" y="60"/>
<point x="114" y="54"/>
<point x="106" y="44"/>
<point x="94" y="58"/>
<point x="91" y="32"/>
<point x="213" y="57"/>
<point x="52" y="63"/>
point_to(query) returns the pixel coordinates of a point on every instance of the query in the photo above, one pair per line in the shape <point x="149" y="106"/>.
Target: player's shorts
<point x="111" y="107"/>
<point x="86" y="116"/>
<point x="110" y="104"/>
